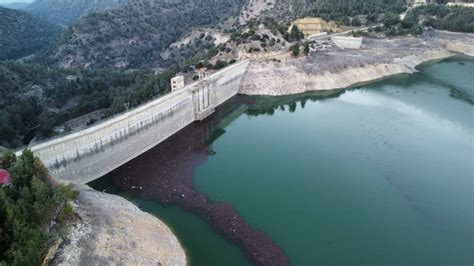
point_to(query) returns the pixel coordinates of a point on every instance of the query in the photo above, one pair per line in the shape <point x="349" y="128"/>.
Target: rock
<point x="104" y="234"/>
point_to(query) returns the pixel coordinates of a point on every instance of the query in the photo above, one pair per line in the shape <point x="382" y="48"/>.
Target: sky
<point x="12" y="1"/>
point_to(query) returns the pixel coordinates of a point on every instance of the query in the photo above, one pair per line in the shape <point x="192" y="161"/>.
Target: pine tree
<point x="295" y="49"/>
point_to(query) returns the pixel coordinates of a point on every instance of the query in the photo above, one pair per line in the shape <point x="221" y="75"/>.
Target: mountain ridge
<point x="135" y="34"/>
<point x="22" y="34"/>
<point x="67" y="12"/>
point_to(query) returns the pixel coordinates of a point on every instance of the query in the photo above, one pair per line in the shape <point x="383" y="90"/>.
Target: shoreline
<point x="296" y="76"/>
<point x="171" y="183"/>
<point x="112" y="230"/>
<point x="92" y="237"/>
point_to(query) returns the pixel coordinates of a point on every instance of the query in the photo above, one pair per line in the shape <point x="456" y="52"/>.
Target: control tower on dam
<point x="91" y="153"/>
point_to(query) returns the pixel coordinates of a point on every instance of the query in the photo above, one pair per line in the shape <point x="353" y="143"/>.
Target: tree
<point x="390" y="19"/>
<point x="295" y="49"/>
<point x="220" y="64"/>
<point x="345" y="20"/>
<point x="296" y="34"/>
<point x="356" y="22"/>
<point x="26" y="207"/>
<point x="415" y="29"/>
<point x="45" y="125"/>
<point x="306" y="48"/>
<point x="372" y="18"/>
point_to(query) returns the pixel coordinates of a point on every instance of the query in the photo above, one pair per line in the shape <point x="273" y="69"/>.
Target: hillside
<point x="67" y="12"/>
<point x="134" y="35"/>
<point x="451" y="18"/>
<point x="35" y="99"/>
<point x="22" y="34"/>
<point x="338" y="10"/>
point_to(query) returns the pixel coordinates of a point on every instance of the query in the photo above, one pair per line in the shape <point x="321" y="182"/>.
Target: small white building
<point x="177" y="83"/>
<point x="71" y="78"/>
<point x="347" y="42"/>
<point x="203" y="73"/>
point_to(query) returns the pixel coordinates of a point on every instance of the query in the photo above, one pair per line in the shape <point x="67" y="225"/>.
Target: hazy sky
<point x="12" y="1"/>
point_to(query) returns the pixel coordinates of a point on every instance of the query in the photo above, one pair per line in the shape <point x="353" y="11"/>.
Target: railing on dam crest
<point x="89" y="154"/>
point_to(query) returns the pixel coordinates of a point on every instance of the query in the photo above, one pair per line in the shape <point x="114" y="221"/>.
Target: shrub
<point x="295" y="49"/>
<point x="27" y="206"/>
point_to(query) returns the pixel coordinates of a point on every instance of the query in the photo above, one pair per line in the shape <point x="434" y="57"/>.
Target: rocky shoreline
<point x="171" y="182"/>
<point x="111" y="230"/>
<point x="114" y="231"/>
<point x="336" y="68"/>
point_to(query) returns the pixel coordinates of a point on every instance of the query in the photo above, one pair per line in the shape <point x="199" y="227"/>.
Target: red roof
<point x="5" y="177"/>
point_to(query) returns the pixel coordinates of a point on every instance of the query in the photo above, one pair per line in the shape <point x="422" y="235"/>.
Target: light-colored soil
<point x="335" y="68"/>
<point x="254" y="8"/>
<point x="113" y="231"/>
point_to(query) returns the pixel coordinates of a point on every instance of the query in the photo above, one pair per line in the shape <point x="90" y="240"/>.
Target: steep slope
<point x="134" y="35"/>
<point x="67" y="12"/>
<point x="34" y="99"/>
<point x="22" y="34"/>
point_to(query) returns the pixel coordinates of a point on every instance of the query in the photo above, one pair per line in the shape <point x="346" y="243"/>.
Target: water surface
<point x="381" y="174"/>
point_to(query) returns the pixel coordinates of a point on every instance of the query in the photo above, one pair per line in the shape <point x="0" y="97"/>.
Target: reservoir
<point x="378" y="174"/>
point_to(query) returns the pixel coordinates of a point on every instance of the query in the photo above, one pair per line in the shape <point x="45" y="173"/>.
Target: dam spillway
<point x="86" y="155"/>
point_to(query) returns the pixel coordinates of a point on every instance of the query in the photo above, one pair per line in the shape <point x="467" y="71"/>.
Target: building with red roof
<point x="5" y="178"/>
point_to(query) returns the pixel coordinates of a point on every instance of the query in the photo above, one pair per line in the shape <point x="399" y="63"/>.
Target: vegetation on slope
<point x="47" y="97"/>
<point x="44" y="97"/>
<point x="67" y="12"/>
<point x="136" y="34"/>
<point x="33" y="210"/>
<point x="337" y="10"/>
<point x="22" y="34"/>
<point x="458" y="19"/>
<point x="454" y="18"/>
<point x="340" y="10"/>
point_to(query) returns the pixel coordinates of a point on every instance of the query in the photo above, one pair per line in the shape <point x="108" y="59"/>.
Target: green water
<point x="378" y="175"/>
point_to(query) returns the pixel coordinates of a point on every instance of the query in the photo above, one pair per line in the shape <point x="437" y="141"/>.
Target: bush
<point x="295" y="49"/>
<point x="27" y="207"/>
<point x="356" y="22"/>
<point x="306" y="48"/>
<point x="220" y="64"/>
<point x="390" y="19"/>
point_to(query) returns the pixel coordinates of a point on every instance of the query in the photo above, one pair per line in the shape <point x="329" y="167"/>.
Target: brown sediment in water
<point x="165" y="174"/>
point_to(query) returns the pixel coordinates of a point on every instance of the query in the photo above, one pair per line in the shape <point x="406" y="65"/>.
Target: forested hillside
<point x="134" y="35"/>
<point x="338" y="10"/>
<point x="22" y="34"/>
<point x="460" y="19"/>
<point x="67" y="12"/>
<point x="34" y="99"/>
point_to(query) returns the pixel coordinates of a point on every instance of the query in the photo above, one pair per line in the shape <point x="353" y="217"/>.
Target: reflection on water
<point x="381" y="174"/>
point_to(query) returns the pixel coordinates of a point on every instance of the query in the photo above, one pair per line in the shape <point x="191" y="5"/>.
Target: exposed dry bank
<point x="334" y="68"/>
<point x="112" y="231"/>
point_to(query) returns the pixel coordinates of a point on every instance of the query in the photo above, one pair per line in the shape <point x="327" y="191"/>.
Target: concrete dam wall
<point x="89" y="154"/>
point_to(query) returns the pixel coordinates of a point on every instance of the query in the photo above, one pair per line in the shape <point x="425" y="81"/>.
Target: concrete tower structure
<point x="177" y="83"/>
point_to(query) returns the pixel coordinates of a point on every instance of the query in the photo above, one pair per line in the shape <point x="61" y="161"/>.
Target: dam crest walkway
<point x="86" y="155"/>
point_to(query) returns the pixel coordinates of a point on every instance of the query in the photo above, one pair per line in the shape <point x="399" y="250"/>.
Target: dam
<point x="319" y="172"/>
<point x="86" y="155"/>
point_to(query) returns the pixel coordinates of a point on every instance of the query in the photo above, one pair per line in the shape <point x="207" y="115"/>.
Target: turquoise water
<point x="203" y="245"/>
<point x="377" y="175"/>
